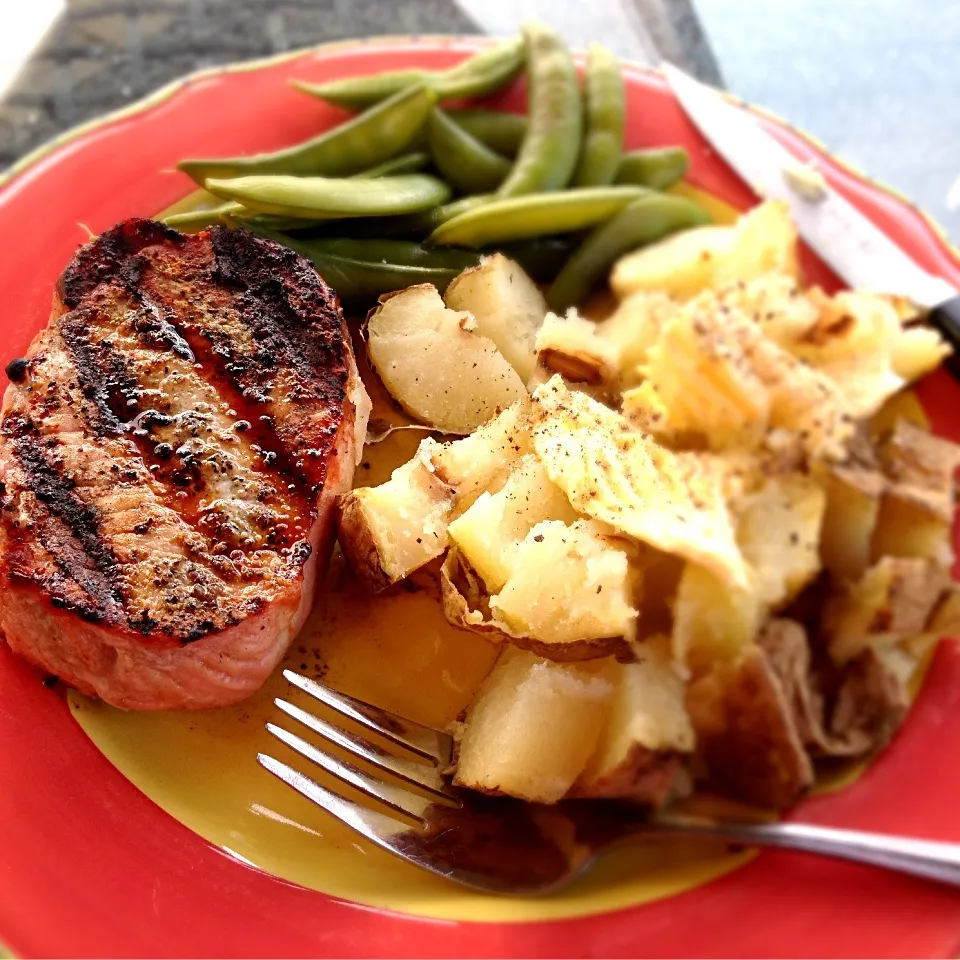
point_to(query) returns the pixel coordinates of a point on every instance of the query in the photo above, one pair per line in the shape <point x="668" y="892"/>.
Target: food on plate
<point x="704" y="524"/>
<point x="172" y="446"/>
<point x="467" y="164"/>
<point x="762" y="241"/>
<point x="647" y="736"/>
<point x="644" y="221"/>
<point x="507" y="306"/>
<point x="502" y="180"/>
<point x="432" y="358"/>
<point x="530" y="215"/>
<point x="379" y="134"/>
<point x="325" y="198"/>
<point x="477" y="76"/>
<point x="604" y="107"/>
<point x="548" y="155"/>
<point x="657" y="168"/>
<point x="533" y="726"/>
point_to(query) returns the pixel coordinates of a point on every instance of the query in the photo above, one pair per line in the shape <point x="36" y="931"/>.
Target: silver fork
<point x="509" y="847"/>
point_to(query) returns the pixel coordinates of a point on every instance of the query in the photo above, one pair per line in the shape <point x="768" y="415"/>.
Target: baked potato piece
<point x="718" y="375"/>
<point x="388" y="531"/>
<point x="918" y="350"/>
<point x="763" y="240"/>
<point x="532" y="727"/>
<point x="778" y="532"/>
<point x="484" y="459"/>
<point x="894" y="599"/>
<point x="568" y="597"/>
<point x="917" y="507"/>
<point x="634" y="327"/>
<point x="712" y="622"/>
<point x="850" y="518"/>
<point x="618" y="476"/>
<point x="436" y="364"/>
<point x="489" y="533"/>
<point x="747" y="739"/>
<point x="570" y="346"/>
<point x="642" y="750"/>
<point x="852" y="343"/>
<point x="507" y="306"/>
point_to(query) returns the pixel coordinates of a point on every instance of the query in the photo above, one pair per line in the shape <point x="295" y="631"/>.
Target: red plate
<point x="91" y="867"/>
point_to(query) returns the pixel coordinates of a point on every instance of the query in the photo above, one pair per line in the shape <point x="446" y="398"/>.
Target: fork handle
<point x="921" y="858"/>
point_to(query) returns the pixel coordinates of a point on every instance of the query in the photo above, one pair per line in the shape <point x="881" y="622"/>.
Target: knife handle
<point x="946" y="318"/>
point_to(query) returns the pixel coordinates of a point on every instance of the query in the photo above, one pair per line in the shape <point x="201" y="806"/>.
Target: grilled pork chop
<point x="171" y="448"/>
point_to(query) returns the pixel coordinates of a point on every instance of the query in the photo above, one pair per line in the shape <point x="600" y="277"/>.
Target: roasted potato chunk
<point x="507" y="306"/>
<point x="763" y="240"/>
<point x="490" y="532"/>
<point x="532" y="727"/>
<point x="406" y="336"/>
<point x="570" y="346"/>
<point x="746" y="734"/>
<point x="387" y="532"/>
<point x="641" y="751"/>
<point x="894" y="599"/>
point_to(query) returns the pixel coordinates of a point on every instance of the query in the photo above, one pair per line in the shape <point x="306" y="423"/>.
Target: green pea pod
<point x="657" y="169"/>
<point x="190" y="221"/>
<point x="478" y="76"/>
<point x="466" y="164"/>
<point x="644" y="221"/>
<point x="549" y="152"/>
<point x="542" y="258"/>
<point x="407" y="163"/>
<point x="323" y="198"/>
<point x="230" y="213"/>
<point x="606" y="105"/>
<point x="369" y="139"/>
<point x="359" y="282"/>
<point x="398" y="252"/>
<point x="408" y="226"/>
<point x="535" y="215"/>
<point x="501" y="131"/>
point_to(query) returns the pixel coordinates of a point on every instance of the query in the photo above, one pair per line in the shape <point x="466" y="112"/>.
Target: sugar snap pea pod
<point x="190" y="221"/>
<point x="414" y="226"/>
<point x="549" y="152"/>
<point x="466" y="164"/>
<point x="644" y="221"/>
<point x="405" y="253"/>
<point x="533" y="215"/>
<point x="478" y="76"/>
<point x="657" y="169"/>
<point x="499" y="130"/>
<point x="368" y="139"/>
<point x="406" y="163"/>
<point x="324" y="198"/>
<point x="605" y="108"/>
<point x="229" y="213"/>
<point x="358" y="282"/>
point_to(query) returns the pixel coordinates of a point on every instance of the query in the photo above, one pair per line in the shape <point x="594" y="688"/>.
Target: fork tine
<point x="372" y="824"/>
<point x="420" y="775"/>
<point x="399" y="799"/>
<point x="432" y="745"/>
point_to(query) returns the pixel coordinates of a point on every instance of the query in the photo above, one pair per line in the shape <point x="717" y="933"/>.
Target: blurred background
<point x="874" y="79"/>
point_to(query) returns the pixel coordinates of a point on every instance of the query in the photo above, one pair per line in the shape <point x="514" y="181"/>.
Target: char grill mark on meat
<point x="82" y="576"/>
<point x="214" y="373"/>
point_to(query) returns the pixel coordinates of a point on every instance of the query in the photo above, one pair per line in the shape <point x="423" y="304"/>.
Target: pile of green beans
<point x="414" y="189"/>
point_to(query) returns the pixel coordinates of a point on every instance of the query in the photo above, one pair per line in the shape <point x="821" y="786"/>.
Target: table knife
<point x="857" y="250"/>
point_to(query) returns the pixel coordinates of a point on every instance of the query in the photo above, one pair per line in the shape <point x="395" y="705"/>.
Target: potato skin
<point x="358" y="545"/>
